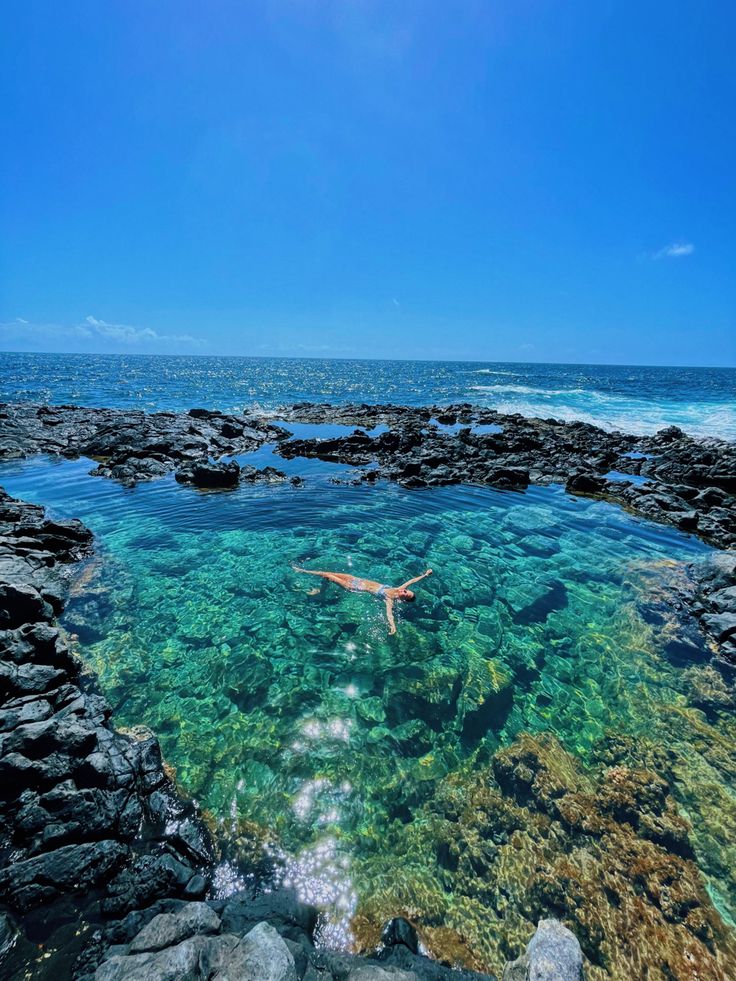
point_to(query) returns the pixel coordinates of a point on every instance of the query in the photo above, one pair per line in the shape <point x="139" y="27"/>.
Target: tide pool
<point x="319" y="745"/>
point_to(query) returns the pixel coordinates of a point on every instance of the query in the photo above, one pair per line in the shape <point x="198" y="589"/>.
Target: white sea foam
<point x="493" y="371"/>
<point x="527" y="390"/>
<point x="611" y="412"/>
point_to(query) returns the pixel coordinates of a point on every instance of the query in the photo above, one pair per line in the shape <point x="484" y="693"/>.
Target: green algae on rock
<point x="605" y="850"/>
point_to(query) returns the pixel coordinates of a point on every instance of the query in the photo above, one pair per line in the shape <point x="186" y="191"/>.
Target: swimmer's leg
<point x="339" y="578"/>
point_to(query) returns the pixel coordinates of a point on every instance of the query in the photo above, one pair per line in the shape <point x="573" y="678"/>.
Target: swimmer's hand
<point x="428" y="572"/>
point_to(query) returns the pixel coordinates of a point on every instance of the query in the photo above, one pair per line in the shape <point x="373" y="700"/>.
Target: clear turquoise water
<point x="635" y="399"/>
<point x="296" y="719"/>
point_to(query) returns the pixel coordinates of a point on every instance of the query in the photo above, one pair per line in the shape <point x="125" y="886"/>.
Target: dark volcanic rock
<point x="400" y="931"/>
<point x="129" y="446"/>
<point x="585" y="483"/>
<point x="81" y="805"/>
<point x="268" y="475"/>
<point x="204" y="473"/>
<point x="715" y="601"/>
<point x="70" y="868"/>
<point x="245" y="938"/>
<point x="691" y="483"/>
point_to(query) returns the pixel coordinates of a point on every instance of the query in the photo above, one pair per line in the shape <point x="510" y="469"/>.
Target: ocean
<point x="635" y="399"/>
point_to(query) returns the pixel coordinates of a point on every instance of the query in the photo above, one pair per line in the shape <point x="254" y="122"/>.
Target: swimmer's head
<point x="406" y="595"/>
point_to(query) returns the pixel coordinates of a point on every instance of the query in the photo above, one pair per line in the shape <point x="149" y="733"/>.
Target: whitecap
<point x="493" y="371"/>
<point x="528" y="390"/>
<point x="612" y="412"/>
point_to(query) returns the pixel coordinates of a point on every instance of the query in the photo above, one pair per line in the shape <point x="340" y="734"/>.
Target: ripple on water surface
<point x="295" y="720"/>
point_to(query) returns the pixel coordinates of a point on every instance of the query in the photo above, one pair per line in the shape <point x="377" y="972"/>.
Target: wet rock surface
<point x="715" y="602"/>
<point x="83" y="808"/>
<point x="226" y="939"/>
<point x="131" y="446"/>
<point x="688" y="483"/>
<point x="553" y="954"/>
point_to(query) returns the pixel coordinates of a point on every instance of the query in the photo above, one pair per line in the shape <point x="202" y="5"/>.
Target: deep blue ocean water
<point x="634" y="399"/>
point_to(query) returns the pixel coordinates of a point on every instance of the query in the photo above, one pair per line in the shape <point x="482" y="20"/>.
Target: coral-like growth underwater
<point x="545" y="734"/>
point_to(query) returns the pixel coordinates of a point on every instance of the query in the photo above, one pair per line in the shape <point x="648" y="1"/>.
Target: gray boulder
<point x="191" y="960"/>
<point x="176" y="947"/>
<point x="371" y="972"/>
<point x="553" y="954"/>
<point x="168" y="929"/>
<point x="261" y="955"/>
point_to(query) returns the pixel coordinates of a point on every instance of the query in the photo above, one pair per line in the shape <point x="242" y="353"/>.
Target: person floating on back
<point x="389" y="594"/>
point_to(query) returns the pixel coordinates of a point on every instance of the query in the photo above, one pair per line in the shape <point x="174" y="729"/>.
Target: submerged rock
<point x="603" y="849"/>
<point x="553" y="954"/>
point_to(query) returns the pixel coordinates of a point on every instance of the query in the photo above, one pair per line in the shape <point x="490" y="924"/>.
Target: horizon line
<point x="316" y="357"/>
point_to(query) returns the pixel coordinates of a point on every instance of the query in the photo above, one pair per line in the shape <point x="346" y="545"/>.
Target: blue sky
<point x="476" y="179"/>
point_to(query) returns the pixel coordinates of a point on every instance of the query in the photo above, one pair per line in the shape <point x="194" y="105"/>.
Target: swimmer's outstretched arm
<point x="390" y="615"/>
<point x="410" y="582"/>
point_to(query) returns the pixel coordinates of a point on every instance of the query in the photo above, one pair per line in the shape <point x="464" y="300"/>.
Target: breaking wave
<point x="611" y="412"/>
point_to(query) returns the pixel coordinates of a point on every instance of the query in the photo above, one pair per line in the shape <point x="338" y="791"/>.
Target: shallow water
<point x="297" y="718"/>
<point x="632" y="478"/>
<point x="636" y="399"/>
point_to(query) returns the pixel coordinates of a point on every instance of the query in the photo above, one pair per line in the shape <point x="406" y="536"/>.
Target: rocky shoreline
<point x="109" y="869"/>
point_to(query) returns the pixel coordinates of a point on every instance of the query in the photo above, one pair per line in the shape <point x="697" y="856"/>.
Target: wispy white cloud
<point x="134" y="335"/>
<point x="93" y="328"/>
<point x="675" y="250"/>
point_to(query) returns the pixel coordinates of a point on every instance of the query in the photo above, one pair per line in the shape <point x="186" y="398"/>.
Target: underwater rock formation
<point x="605" y="851"/>
<point x="715" y="606"/>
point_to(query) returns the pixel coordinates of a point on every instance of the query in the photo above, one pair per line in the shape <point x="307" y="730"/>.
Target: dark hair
<point x="410" y="597"/>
